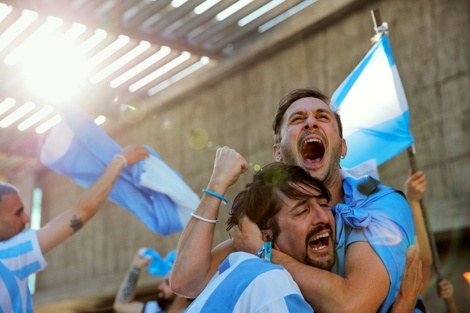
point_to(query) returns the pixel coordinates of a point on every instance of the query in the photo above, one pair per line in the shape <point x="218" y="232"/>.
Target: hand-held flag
<point x="373" y="109"/>
<point x="79" y="149"/>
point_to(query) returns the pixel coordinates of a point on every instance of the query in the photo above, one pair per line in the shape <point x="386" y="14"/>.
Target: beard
<point x="327" y="171"/>
<point x="165" y="302"/>
<point x="327" y="260"/>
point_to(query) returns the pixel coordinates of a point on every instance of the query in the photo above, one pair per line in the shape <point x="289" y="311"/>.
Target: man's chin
<point x="324" y="262"/>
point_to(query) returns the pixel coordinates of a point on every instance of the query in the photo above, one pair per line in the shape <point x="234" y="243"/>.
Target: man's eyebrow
<point x="322" y="110"/>
<point x="297" y="113"/>
<point x="299" y="204"/>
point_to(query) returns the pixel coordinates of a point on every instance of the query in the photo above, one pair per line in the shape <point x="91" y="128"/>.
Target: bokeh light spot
<point x="466" y="275"/>
<point x="133" y="109"/>
<point x="198" y="139"/>
<point x="167" y="124"/>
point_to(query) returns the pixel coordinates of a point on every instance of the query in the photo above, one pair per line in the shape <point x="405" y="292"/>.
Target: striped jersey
<point x="20" y="256"/>
<point x="245" y="283"/>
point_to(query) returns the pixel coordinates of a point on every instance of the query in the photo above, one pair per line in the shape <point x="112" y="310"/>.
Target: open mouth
<point x="319" y="242"/>
<point x="312" y="150"/>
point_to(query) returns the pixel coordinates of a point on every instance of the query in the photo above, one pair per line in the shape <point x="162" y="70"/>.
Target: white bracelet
<point x="122" y="158"/>
<point x="204" y="219"/>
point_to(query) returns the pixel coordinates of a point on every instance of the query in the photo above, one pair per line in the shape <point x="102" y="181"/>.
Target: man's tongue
<point x="312" y="151"/>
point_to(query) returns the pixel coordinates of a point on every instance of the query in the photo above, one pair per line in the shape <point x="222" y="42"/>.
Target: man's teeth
<point x="318" y="248"/>
<point x="324" y="235"/>
<point x="312" y="140"/>
<point x="321" y="236"/>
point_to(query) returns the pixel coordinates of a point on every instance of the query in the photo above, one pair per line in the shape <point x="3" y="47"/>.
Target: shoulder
<point x="22" y="238"/>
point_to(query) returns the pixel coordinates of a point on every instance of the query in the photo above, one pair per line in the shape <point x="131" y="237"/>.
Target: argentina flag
<point x="373" y="109"/>
<point x="79" y="149"/>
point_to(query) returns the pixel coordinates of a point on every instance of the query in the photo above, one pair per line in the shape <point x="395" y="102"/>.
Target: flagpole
<point x="435" y="256"/>
<point x="381" y="28"/>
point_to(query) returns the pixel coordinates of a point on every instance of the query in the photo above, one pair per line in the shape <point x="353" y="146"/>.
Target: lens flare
<point x="133" y="109"/>
<point x="466" y="275"/>
<point x="167" y="124"/>
<point x="198" y="139"/>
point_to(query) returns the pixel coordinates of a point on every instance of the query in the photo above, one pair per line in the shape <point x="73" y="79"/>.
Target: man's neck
<point x="335" y="186"/>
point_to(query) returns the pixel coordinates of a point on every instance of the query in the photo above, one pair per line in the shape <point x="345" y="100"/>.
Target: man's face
<point x="13" y="219"/>
<point x="165" y="296"/>
<point x="310" y="139"/>
<point x="307" y="231"/>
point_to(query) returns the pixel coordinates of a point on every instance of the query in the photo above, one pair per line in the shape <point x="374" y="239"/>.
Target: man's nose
<point x="321" y="215"/>
<point x="310" y="122"/>
<point x="26" y="218"/>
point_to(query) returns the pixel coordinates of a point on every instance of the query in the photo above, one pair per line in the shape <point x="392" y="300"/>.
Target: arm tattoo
<point x="76" y="223"/>
<point x="126" y="292"/>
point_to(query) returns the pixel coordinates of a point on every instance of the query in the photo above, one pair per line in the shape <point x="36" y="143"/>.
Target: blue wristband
<point x="260" y="252"/>
<point x="267" y="250"/>
<point x="215" y="194"/>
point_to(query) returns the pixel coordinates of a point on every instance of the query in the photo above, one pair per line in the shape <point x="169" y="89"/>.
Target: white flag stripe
<point x="373" y="109"/>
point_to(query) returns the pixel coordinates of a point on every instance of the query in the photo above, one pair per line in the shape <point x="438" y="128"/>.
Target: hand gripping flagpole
<point x="435" y="256"/>
<point x="380" y="29"/>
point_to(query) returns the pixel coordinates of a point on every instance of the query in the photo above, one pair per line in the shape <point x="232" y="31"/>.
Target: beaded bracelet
<point x="204" y="219"/>
<point x="215" y="194"/>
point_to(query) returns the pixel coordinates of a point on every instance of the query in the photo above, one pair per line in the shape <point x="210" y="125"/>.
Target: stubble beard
<point x="326" y="263"/>
<point x="326" y="260"/>
<point x="325" y="174"/>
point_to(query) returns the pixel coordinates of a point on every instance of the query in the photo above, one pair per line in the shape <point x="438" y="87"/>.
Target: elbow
<point x="183" y="287"/>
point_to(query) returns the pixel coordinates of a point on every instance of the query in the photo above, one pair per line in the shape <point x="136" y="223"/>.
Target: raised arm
<point x="196" y="263"/>
<point x="70" y="221"/>
<point x="445" y="291"/>
<point x="123" y="303"/>
<point x="414" y="190"/>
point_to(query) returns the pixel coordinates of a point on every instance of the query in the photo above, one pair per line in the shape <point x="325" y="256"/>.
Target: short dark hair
<point x="7" y="189"/>
<point x="293" y="96"/>
<point x="260" y="199"/>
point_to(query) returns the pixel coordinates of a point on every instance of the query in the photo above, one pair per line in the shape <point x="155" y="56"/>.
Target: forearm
<point x="451" y="306"/>
<point x="127" y="288"/>
<point x="363" y="289"/>
<point x="92" y="198"/>
<point x="403" y="305"/>
<point x="196" y="263"/>
<point x="72" y="220"/>
<point x="423" y="241"/>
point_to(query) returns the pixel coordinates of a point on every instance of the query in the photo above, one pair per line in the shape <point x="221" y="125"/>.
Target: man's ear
<point x="277" y="153"/>
<point x="344" y="147"/>
<point x="267" y="235"/>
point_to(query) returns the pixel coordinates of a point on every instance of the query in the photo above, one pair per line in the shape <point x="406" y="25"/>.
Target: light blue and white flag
<point x="373" y="109"/>
<point x="79" y="149"/>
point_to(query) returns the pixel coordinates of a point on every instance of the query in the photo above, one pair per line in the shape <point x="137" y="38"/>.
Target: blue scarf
<point x="386" y="221"/>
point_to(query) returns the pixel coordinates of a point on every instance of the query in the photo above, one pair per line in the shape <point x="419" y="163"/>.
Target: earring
<point x="342" y="157"/>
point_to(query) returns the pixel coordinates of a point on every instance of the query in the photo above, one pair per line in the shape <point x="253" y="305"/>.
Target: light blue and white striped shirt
<point x="20" y="256"/>
<point x="245" y="284"/>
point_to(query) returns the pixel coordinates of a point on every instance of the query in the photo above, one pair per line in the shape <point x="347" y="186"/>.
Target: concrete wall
<point x="431" y="47"/>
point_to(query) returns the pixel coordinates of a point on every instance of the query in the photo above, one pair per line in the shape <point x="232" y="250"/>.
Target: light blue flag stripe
<point x="373" y="108"/>
<point x="81" y="150"/>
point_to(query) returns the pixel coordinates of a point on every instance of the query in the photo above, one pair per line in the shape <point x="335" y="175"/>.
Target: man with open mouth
<point x="374" y="223"/>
